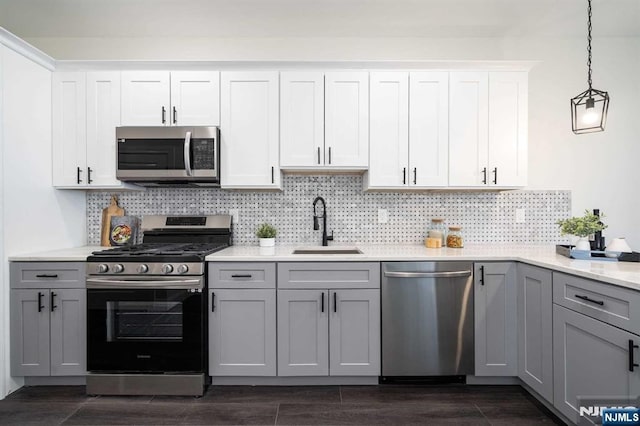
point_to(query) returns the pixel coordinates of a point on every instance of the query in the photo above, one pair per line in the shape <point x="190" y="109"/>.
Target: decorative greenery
<point x="582" y="226"/>
<point x="266" y="231"/>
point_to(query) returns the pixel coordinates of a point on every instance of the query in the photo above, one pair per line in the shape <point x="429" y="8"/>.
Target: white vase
<point x="583" y="244"/>
<point x="267" y="242"/>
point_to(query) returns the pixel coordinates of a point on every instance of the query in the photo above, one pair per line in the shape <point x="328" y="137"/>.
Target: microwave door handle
<point x="187" y="154"/>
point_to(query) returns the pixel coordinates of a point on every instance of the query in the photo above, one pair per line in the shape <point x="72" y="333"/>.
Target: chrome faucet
<point x="316" y="226"/>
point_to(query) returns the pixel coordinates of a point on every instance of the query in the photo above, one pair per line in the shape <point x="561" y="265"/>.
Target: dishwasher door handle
<point x="449" y="274"/>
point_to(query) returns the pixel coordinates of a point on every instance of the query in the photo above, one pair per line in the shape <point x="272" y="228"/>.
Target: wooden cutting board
<point x="107" y="213"/>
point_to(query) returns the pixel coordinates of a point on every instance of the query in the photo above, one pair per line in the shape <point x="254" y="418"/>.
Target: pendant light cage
<point x="589" y="109"/>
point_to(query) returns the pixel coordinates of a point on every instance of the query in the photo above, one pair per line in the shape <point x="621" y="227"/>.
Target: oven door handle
<point x="170" y="284"/>
<point x="187" y="154"/>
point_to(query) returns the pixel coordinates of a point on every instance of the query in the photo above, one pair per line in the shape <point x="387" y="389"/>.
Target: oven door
<point x="147" y="329"/>
<point x="167" y="153"/>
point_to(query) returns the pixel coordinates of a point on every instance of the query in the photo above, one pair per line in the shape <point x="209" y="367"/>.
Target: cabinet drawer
<point x="322" y="275"/>
<point x="614" y="305"/>
<point x="47" y="274"/>
<point x="242" y="275"/>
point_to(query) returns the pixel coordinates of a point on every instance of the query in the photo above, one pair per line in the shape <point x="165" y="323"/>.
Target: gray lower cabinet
<point x="496" y="348"/>
<point x="242" y="332"/>
<point x="48" y="332"/>
<point x="591" y="359"/>
<point x="535" y="329"/>
<point x="329" y="332"/>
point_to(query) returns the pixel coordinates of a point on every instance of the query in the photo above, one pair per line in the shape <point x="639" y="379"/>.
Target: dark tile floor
<point x="311" y="405"/>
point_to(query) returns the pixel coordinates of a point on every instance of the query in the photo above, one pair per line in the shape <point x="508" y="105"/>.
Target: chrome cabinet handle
<point x="78" y="175"/>
<point x="187" y="154"/>
<point x="452" y="274"/>
<point x="89" y="180"/>
<point x="495" y="176"/>
<point x="175" y="115"/>
<point x="318" y="155"/>
<point x="164" y="115"/>
<point x="484" y="175"/>
<point x="415" y="175"/>
<point x="329" y="155"/>
<point x="404" y="175"/>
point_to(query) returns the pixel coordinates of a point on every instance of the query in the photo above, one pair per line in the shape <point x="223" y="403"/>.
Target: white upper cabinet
<point x="488" y="129"/>
<point x="324" y="120"/>
<point x="302" y="119"/>
<point x="249" y="130"/>
<point x="389" y="130"/>
<point x="408" y="130"/>
<point x="347" y="119"/>
<point x="145" y="98"/>
<point x="162" y="98"/>
<point x="468" y="128"/>
<point x="86" y="112"/>
<point x="429" y="129"/>
<point x="508" y="112"/>
<point x="69" y="129"/>
<point x="103" y="116"/>
<point x="195" y="98"/>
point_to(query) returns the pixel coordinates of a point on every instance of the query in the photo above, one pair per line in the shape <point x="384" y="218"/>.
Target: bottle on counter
<point x="437" y="230"/>
<point x="454" y="237"/>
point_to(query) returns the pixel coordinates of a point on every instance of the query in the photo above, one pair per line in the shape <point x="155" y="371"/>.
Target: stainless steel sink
<point x="327" y="250"/>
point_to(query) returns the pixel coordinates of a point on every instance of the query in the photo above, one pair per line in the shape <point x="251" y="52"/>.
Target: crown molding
<point x="20" y="46"/>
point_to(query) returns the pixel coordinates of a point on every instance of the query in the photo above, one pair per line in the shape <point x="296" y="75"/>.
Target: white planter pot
<point x="267" y="242"/>
<point x="583" y="244"/>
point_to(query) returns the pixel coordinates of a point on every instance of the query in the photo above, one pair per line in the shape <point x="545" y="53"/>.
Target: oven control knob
<point x="103" y="268"/>
<point x="143" y="269"/>
<point x="183" y="269"/>
<point x="167" y="269"/>
<point x="117" y="268"/>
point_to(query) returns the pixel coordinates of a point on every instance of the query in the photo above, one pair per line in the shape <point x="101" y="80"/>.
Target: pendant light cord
<point x="589" y="44"/>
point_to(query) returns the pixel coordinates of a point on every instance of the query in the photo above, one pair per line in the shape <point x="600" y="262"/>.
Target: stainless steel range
<point x="146" y="308"/>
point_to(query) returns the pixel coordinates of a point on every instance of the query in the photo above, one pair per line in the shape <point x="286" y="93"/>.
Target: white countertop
<point x="625" y="274"/>
<point x="75" y="254"/>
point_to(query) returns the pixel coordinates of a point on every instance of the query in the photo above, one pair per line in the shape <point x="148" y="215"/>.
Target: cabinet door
<point x="508" y="128"/>
<point x="496" y="344"/>
<point x="389" y="129"/>
<point x="535" y="329"/>
<point x="429" y="129"/>
<point x="69" y="129"/>
<point x="249" y="130"/>
<point x="145" y="98"/>
<point x="347" y="119"/>
<point x="354" y="330"/>
<point x="591" y="360"/>
<point x="30" y="333"/>
<point x="195" y="98"/>
<point x="303" y="333"/>
<point x="468" y="128"/>
<point x="301" y="119"/>
<point x="103" y="116"/>
<point x="242" y="333"/>
<point x="68" y="308"/>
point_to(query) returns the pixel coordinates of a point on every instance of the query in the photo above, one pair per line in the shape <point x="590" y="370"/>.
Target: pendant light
<point x="589" y="108"/>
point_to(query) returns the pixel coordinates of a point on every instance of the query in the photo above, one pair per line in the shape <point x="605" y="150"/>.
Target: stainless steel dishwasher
<point x="427" y="319"/>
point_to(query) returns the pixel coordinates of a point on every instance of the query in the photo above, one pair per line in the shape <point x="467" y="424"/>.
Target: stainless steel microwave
<point x="168" y="156"/>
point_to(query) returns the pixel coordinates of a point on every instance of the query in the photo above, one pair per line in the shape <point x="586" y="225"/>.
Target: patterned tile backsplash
<point x="352" y="215"/>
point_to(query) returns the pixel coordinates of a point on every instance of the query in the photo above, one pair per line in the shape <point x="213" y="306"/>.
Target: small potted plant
<point x="266" y="235"/>
<point x="582" y="227"/>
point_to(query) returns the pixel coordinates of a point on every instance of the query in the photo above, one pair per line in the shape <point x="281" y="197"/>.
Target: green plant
<point x="582" y="226"/>
<point x="266" y="231"/>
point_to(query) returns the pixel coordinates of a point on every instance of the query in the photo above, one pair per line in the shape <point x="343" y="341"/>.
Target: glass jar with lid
<point x="437" y="230"/>
<point x="454" y="237"/>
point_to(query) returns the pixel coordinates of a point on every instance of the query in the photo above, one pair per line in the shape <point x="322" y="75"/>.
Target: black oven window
<point x="144" y="321"/>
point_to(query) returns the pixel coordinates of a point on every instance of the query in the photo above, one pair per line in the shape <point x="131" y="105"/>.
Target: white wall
<point x="35" y="216"/>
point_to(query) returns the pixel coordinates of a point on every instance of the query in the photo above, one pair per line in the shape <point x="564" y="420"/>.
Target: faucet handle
<point x="330" y="237"/>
